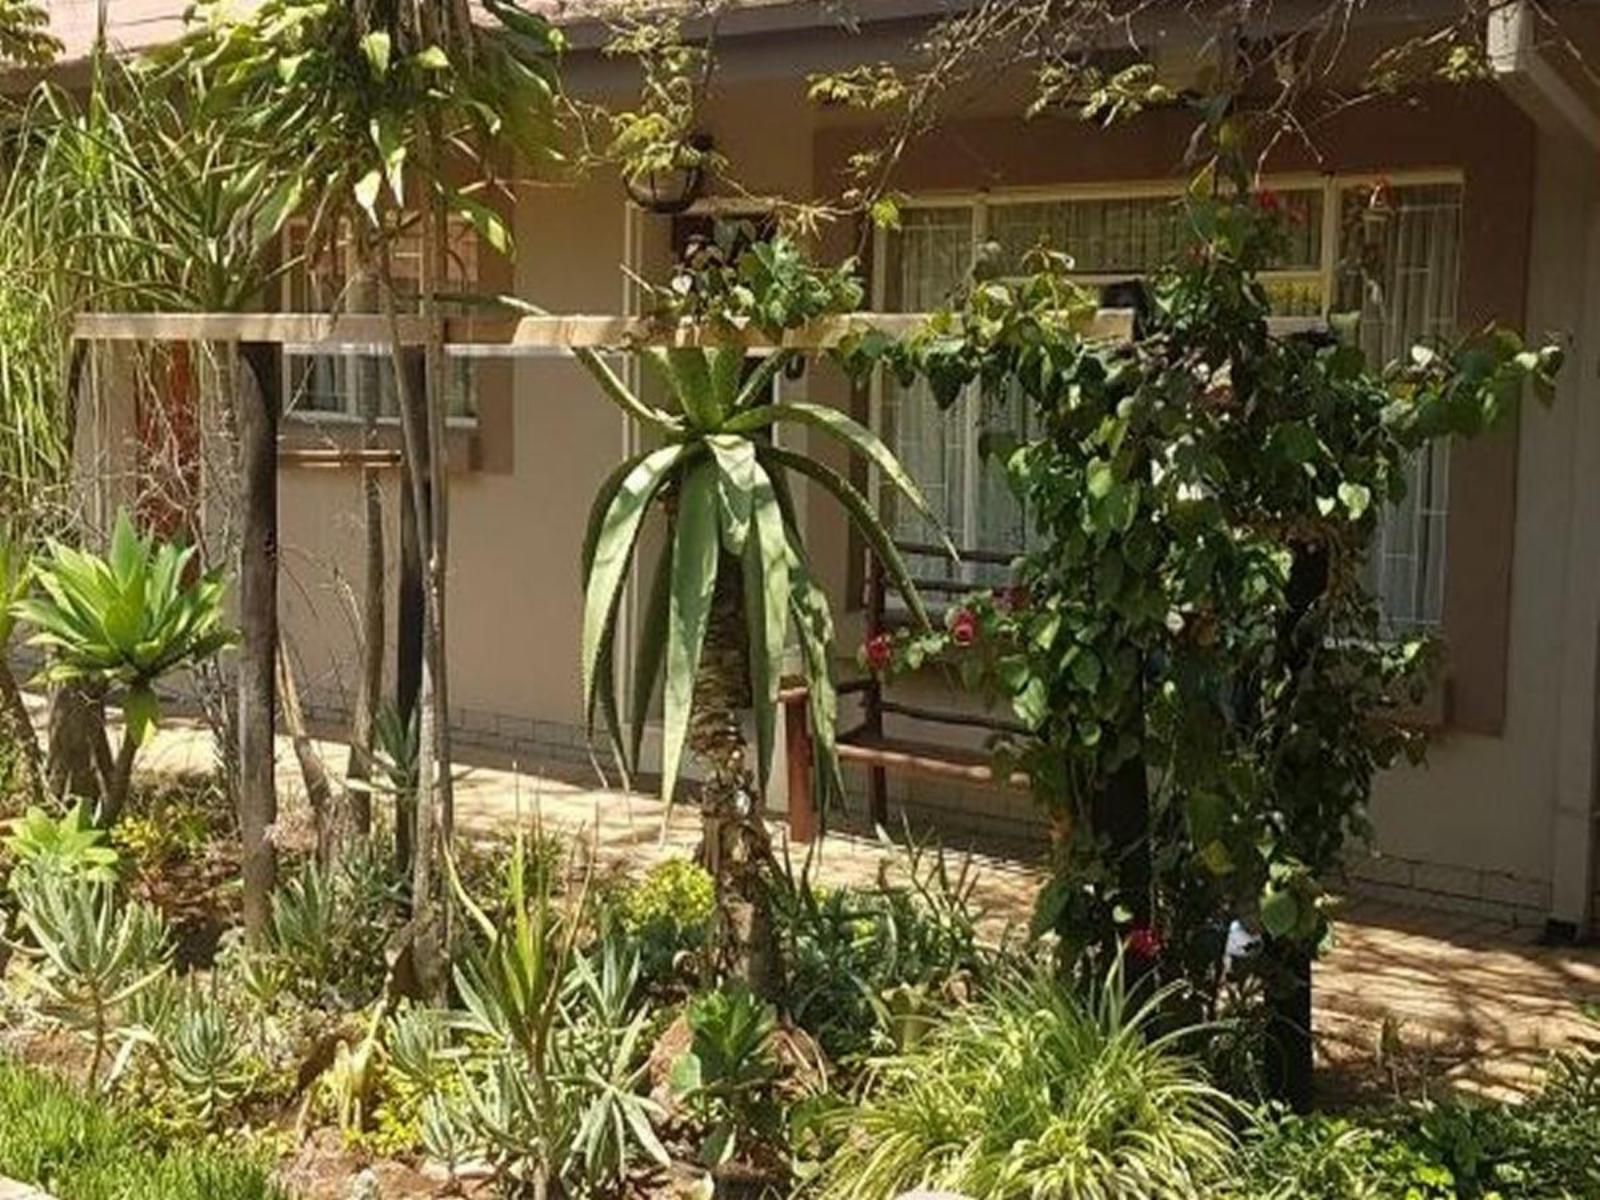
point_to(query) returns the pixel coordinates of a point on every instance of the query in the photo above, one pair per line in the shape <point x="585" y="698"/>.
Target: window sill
<point x="307" y="442"/>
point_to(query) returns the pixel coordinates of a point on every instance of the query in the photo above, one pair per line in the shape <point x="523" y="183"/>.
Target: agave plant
<point x="734" y="581"/>
<point x="121" y="623"/>
<point x="205" y="1054"/>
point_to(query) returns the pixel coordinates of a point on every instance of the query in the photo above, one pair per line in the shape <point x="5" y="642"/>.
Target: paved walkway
<point x="1407" y="1000"/>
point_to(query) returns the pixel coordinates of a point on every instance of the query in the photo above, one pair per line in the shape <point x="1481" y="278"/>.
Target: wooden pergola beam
<point x="510" y="336"/>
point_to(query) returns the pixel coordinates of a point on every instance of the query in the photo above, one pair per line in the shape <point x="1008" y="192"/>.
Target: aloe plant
<point x="97" y="954"/>
<point x="734" y="581"/>
<point x="119" y="624"/>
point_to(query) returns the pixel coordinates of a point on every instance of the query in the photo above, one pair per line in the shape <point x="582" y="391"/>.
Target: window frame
<point x="1332" y="186"/>
<point x="329" y="418"/>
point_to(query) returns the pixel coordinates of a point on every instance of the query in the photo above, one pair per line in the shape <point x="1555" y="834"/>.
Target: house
<point x="1490" y="211"/>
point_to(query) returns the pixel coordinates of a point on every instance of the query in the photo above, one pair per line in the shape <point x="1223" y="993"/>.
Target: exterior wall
<point x="1478" y="824"/>
<point x="1476" y="827"/>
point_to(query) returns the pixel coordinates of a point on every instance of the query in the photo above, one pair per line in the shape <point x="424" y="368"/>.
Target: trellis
<point x="262" y="338"/>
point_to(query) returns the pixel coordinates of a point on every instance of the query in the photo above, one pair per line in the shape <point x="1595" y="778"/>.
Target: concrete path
<point x="1408" y="1000"/>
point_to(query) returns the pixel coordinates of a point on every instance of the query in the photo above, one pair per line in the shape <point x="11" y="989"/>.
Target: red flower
<point x="1269" y="202"/>
<point x="964" y="627"/>
<point x="1145" y="942"/>
<point x="879" y="652"/>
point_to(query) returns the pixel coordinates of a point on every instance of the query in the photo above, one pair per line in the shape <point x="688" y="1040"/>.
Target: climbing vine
<point x="1205" y="686"/>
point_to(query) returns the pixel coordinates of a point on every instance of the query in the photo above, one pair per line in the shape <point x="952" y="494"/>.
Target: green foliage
<point x="83" y="1149"/>
<point x="667" y="914"/>
<point x="341" y="99"/>
<point x="125" y="620"/>
<point x="25" y="37"/>
<point x="203" y="1048"/>
<point x="868" y="967"/>
<point x="731" y="513"/>
<point x="1034" y="1091"/>
<point x="69" y="846"/>
<point x="94" y="954"/>
<point x="726" y="1077"/>
<point x="1202" y="501"/>
<point x="330" y="926"/>
<point x="1546" y="1148"/>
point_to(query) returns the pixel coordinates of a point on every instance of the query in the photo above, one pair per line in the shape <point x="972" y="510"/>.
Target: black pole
<point x="1290" y="1051"/>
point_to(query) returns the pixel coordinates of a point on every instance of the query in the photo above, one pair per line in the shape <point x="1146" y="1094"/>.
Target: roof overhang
<point x="1525" y="74"/>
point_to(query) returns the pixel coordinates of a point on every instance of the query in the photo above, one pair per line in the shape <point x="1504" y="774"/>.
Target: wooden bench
<point x="868" y="744"/>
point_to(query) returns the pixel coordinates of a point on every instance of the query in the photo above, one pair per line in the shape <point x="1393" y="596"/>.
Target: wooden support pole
<point x="409" y="618"/>
<point x="797" y="747"/>
<point x="257" y="392"/>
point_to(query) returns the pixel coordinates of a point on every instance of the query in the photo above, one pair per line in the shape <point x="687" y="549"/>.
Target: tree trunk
<point x="1288" y="975"/>
<point x="435" y="252"/>
<point x="319" y="789"/>
<point x="373" y="628"/>
<point x="408" y="665"/>
<point x="76" y="737"/>
<point x="17" y="726"/>
<point x="258" y="615"/>
<point x="737" y="847"/>
<point x="411" y="379"/>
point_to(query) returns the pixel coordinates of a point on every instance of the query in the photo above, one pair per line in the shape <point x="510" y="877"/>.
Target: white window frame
<point x="354" y="350"/>
<point x="981" y="201"/>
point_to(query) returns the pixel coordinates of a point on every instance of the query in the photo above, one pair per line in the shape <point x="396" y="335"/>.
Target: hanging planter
<point x="674" y="189"/>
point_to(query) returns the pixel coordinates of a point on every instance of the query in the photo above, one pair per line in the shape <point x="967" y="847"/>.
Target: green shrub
<point x="1037" y="1092"/>
<point x="1547" y="1148"/>
<point x="869" y="967"/>
<point x="667" y="914"/>
<point x="55" y="1138"/>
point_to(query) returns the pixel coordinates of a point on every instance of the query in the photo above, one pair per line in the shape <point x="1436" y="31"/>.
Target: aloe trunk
<point x="737" y="847"/>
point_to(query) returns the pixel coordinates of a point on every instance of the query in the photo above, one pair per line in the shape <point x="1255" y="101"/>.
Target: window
<point x="1390" y="254"/>
<point x="333" y="386"/>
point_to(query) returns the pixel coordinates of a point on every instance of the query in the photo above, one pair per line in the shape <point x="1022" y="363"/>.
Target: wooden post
<point x="257" y="393"/>
<point x="797" y="746"/>
<point x="409" y="618"/>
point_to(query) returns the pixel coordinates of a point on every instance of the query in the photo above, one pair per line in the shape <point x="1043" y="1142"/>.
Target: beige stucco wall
<point x="1477" y="825"/>
<point x="1489" y="804"/>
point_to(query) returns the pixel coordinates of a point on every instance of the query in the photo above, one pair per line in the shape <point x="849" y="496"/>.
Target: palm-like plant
<point x="120" y="623"/>
<point x="734" y="580"/>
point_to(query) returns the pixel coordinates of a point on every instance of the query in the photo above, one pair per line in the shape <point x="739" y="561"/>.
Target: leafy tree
<point x="1207" y="688"/>
<point x="381" y="117"/>
<point x="734" y="580"/>
<point x="25" y="37"/>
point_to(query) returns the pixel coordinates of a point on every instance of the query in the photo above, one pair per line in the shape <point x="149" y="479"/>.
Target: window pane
<point x="338" y="383"/>
<point x="927" y="261"/>
<point x="1400" y="270"/>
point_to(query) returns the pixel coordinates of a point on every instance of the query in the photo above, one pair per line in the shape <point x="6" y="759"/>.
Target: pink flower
<point x="1144" y="942"/>
<point x="879" y="652"/>
<point x="964" y="627"/>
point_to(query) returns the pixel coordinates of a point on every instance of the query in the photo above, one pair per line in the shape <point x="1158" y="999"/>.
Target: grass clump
<point x="1035" y="1091"/>
<point x="58" y="1139"/>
